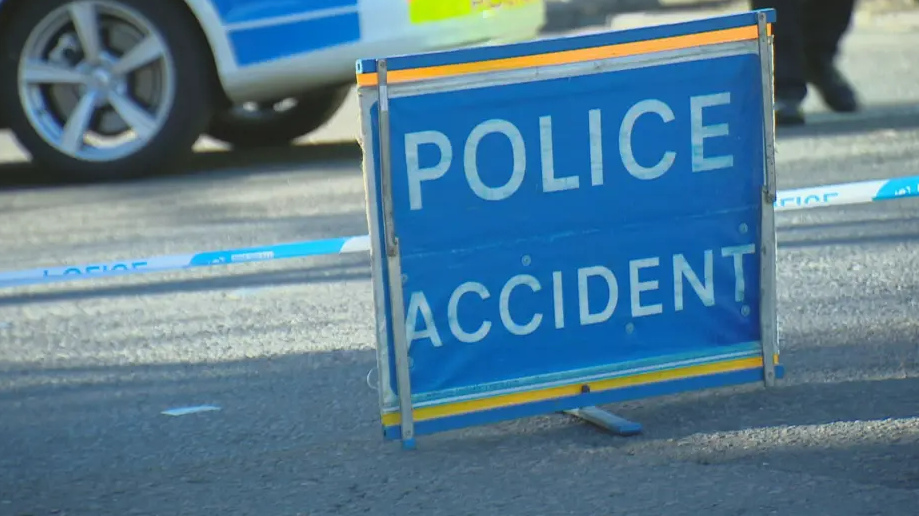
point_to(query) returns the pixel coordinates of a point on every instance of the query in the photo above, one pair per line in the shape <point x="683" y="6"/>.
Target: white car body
<point x="256" y="62"/>
<point x="253" y="66"/>
<point x="262" y="52"/>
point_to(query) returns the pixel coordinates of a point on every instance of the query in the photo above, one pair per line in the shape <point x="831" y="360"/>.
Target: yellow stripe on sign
<point x="427" y="11"/>
<point x="519" y="398"/>
<point x="566" y="56"/>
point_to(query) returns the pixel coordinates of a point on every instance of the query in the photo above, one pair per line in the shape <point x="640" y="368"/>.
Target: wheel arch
<point x="7" y="8"/>
<point x="210" y="30"/>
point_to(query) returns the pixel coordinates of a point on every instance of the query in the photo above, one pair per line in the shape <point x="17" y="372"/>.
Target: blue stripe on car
<point x="242" y="11"/>
<point x="261" y="44"/>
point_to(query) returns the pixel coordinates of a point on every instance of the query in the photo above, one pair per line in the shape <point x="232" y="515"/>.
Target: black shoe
<point x="835" y="90"/>
<point x="788" y="112"/>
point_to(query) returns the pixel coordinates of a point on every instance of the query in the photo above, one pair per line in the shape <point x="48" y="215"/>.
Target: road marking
<point x="182" y="411"/>
<point x="243" y="293"/>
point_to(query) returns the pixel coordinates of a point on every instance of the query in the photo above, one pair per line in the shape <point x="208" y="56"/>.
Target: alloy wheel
<point x="96" y="80"/>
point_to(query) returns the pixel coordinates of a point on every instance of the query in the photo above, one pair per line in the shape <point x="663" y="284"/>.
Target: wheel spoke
<point x="78" y="122"/>
<point x="86" y="21"/>
<point x="43" y="72"/>
<point x="134" y="115"/>
<point x="143" y="53"/>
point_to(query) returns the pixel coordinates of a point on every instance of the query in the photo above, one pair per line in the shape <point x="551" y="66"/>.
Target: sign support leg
<point x="606" y="421"/>
<point x="394" y="263"/>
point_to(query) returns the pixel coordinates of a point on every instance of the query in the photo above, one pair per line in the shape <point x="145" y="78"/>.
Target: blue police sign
<point x="562" y="223"/>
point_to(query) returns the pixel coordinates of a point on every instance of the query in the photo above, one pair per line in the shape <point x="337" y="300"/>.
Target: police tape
<point x="847" y="193"/>
<point x="786" y="200"/>
<point x="341" y="245"/>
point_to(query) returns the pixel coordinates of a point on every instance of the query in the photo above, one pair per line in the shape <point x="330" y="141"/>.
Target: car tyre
<point x="273" y="124"/>
<point x="102" y="69"/>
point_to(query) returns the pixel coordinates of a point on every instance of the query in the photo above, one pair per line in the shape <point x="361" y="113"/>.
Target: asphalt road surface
<point x="284" y="348"/>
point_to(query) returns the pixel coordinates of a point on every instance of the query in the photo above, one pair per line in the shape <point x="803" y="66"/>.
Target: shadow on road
<point x="857" y="230"/>
<point x="894" y="238"/>
<point x="208" y="165"/>
<point x="872" y="118"/>
<point x="214" y="165"/>
<point x="303" y="431"/>
<point x="808" y="428"/>
<point x="255" y="161"/>
<point x="856" y="227"/>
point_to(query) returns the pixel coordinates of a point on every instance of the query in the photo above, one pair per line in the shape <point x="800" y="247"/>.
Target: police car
<point x="115" y="89"/>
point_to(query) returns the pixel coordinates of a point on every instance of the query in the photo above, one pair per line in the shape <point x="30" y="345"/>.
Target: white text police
<point x="417" y="174"/>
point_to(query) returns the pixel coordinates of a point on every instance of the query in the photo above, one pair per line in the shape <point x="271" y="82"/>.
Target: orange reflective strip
<point x="567" y="56"/>
<point x="508" y="400"/>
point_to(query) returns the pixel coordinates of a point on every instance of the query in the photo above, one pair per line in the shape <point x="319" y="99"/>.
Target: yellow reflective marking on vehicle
<point x="427" y="11"/>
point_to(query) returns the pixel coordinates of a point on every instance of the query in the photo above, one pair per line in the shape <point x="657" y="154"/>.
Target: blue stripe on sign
<point x="261" y="44"/>
<point x="240" y="11"/>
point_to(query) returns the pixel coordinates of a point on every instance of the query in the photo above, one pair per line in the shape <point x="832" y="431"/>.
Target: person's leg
<point x="825" y="22"/>
<point x="789" y="62"/>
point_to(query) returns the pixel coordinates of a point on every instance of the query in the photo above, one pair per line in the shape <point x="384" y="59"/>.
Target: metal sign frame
<point x="375" y="91"/>
<point x="768" y="244"/>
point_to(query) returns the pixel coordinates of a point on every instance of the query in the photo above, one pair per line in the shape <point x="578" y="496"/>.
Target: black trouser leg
<point x="824" y="22"/>
<point x="788" y="48"/>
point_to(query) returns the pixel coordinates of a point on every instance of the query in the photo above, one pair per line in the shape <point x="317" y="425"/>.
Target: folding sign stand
<point x="394" y="267"/>
<point x="440" y="231"/>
